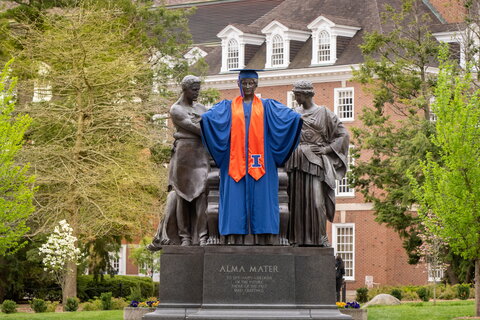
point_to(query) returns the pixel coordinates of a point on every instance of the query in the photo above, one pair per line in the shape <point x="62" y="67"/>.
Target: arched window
<point x="323" y="46"/>
<point x="277" y="50"/>
<point x="232" y="54"/>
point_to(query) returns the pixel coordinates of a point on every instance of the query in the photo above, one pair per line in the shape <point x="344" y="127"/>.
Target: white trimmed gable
<point x="278" y="37"/>
<point x="241" y="39"/>
<point x="324" y="39"/>
<point x="454" y="37"/>
<point x="194" y="54"/>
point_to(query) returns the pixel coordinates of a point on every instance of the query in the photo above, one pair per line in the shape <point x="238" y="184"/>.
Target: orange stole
<point x="256" y="167"/>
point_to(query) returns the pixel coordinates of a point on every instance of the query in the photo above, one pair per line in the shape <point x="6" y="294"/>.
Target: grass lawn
<point x="84" y="315"/>
<point x="444" y="310"/>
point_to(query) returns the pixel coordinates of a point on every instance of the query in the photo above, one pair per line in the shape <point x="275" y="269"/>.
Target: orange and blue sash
<point x="256" y="153"/>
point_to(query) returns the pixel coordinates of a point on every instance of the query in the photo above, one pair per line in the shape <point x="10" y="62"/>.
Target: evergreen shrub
<point x="38" y="305"/>
<point x="9" y="306"/>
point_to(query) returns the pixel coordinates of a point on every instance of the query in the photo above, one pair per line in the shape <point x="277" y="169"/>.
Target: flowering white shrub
<point x="60" y="248"/>
<point x="59" y="251"/>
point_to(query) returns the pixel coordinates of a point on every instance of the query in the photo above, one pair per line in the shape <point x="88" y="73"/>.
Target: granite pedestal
<point x="247" y="282"/>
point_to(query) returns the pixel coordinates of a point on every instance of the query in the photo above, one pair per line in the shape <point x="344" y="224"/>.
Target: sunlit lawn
<point x="444" y="310"/>
<point x="84" y="315"/>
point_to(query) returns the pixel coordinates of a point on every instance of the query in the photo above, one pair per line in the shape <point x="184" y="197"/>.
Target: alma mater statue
<point x="319" y="160"/>
<point x="249" y="138"/>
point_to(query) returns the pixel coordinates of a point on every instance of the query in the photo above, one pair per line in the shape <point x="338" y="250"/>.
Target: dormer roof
<point x="339" y="29"/>
<point x="247" y="35"/>
<point x="293" y="34"/>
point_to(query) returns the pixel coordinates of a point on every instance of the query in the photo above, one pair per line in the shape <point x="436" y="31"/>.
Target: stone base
<point x="252" y="312"/>
<point x="356" y="314"/>
<point x="247" y="282"/>
<point x="130" y="313"/>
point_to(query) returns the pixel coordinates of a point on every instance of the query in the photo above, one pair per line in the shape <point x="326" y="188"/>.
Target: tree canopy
<point x="16" y="184"/>
<point x="397" y="74"/>
<point x="449" y="198"/>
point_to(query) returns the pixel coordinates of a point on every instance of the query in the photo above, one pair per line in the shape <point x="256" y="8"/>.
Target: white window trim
<point x="430" y="271"/>
<point x="286" y="52"/>
<point x="122" y="259"/>
<point x="291" y="102"/>
<point x="334" y="244"/>
<point x="194" y="54"/>
<point x="333" y="48"/>
<point x="455" y="37"/>
<point x="350" y="194"/>
<point x="336" y="96"/>
<point x="42" y="92"/>
<point x="231" y="32"/>
<point x="275" y="28"/>
<point x="323" y="24"/>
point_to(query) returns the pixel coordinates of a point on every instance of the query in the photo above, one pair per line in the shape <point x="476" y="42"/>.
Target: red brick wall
<point x="379" y="253"/>
<point x="131" y="268"/>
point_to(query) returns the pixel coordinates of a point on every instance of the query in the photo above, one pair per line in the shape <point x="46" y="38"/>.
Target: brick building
<point x="316" y="40"/>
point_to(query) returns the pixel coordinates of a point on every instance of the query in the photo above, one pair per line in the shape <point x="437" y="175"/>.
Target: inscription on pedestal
<point x="241" y="279"/>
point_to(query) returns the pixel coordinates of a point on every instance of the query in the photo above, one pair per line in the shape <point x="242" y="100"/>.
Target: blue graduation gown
<point x="250" y="206"/>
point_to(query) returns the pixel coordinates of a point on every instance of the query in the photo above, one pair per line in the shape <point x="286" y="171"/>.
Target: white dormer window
<point x="277" y="51"/>
<point x="232" y="54"/>
<point x="279" y="37"/>
<point x="324" y="47"/>
<point x="460" y="37"/>
<point x="234" y="42"/>
<point x="324" y="39"/>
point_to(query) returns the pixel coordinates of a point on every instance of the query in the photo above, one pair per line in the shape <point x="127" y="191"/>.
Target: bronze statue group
<point x="238" y="147"/>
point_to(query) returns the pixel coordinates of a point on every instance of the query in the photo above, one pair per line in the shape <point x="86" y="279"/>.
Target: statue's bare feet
<point x="186" y="243"/>
<point x="325" y="242"/>
<point x="154" y="247"/>
<point x="213" y="241"/>
<point x="284" y="241"/>
<point x="167" y="242"/>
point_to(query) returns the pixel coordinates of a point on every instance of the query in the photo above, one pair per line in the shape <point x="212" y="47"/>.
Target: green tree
<point x="395" y="131"/>
<point x="93" y="64"/>
<point x="16" y="185"/>
<point x="148" y="262"/>
<point x="450" y="195"/>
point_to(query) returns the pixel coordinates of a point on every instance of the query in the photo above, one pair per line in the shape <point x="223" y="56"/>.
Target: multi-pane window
<point x="344" y="105"/>
<point x="232" y="55"/>
<point x="435" y="273"/>
<point x="343" y="188"/>
<point x="344" y="244"/>
<point x="115" y="261"/>
<point x="291" y="102"/>
<point x="42" y="92"/>
<point x="277" y="51"/>
<point x="323" y="47"/>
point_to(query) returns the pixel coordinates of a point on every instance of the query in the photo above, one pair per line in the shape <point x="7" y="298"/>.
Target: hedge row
<point x="410" y="293"/>
<point x="119" y="286"/>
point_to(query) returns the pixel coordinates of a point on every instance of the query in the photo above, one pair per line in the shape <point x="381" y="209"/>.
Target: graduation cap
<point x="246" y="74"/>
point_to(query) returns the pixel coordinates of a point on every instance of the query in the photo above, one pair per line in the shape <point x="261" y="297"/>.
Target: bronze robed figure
<point x="319" y="160"/>
<point x="185" y="220"/>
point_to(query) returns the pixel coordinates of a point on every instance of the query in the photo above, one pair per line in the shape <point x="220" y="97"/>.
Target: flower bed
<point x="136" y="310"/>
<point x="132" y="313"/>
<point x="352" y="309"/>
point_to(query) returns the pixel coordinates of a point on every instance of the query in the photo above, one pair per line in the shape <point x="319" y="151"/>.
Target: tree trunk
<point x="477" y="287"/>
<point x="70" y="288"/>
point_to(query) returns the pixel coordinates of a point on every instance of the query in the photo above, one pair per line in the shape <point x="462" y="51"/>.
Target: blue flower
<point x="353" y="305"/>
<point x="134" y="303"/>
